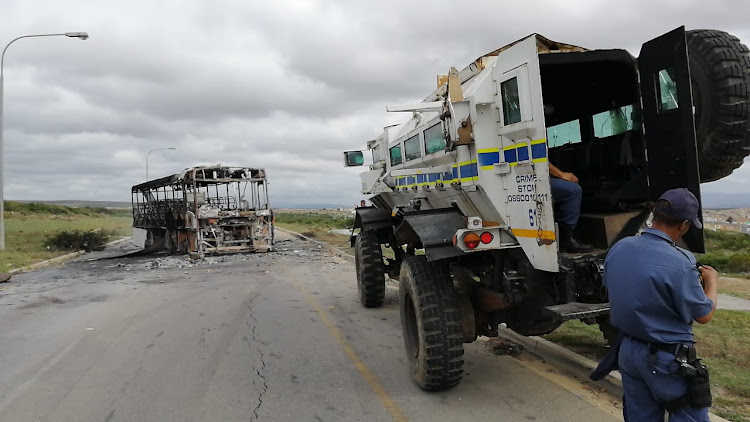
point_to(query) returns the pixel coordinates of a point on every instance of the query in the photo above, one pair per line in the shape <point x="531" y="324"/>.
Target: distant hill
<point x="115" y="204"/>
<point x="718" y="200"/>
<point x="74" y="203"/>
<point x="310" y="206"/>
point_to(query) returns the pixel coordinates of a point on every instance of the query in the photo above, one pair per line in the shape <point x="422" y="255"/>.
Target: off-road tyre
<point x="720" y="76"/>
<point x="609" y="332"/>
<point x="368" y="259"/>
<point x="431" y="324"/>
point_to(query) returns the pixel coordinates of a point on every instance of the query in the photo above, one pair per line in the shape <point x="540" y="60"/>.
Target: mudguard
<point x="374" y="220"/>
<point x="434" y="230"/>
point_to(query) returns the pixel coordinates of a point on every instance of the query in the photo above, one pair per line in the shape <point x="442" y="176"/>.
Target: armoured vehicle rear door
<point x="667" y="106"/>
<point x="522" y="170"/>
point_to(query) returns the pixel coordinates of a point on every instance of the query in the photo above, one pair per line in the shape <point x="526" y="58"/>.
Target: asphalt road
<point x="262" y="337"/>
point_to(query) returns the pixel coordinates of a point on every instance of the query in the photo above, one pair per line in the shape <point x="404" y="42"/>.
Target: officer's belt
<point x="673" y="348"/>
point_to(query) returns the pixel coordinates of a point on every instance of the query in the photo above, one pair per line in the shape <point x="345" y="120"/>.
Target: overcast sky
<point x="284" y="85"/>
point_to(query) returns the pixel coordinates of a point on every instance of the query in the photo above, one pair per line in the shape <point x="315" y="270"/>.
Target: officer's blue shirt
<point x="654" y="288"/>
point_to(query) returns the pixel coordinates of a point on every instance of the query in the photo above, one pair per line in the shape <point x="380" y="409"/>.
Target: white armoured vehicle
<point x="461" y="191"/>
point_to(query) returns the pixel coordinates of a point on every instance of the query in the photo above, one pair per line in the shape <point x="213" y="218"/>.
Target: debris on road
<point x="502" y="347"/>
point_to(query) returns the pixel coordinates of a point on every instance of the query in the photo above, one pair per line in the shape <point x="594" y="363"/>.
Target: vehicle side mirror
<point x="353" y="158"/>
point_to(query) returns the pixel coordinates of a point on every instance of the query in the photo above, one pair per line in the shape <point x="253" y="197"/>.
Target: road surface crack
<point x="259" y="371"/>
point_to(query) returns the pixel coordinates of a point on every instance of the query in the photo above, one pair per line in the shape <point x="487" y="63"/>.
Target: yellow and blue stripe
<point x="539" y="150"/>
<point x="468" y="171"/>
<point x="517" y="153"/>
<point x="451" y="176"/>
<point x="488" y="157"/>
<point x="513" y="154"/>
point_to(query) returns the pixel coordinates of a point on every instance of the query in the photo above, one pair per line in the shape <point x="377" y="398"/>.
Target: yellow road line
<point x="378" y="389"/>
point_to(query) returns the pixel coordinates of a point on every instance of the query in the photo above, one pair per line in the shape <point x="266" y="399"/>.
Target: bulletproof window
<point x="511" y="101"/>
<point x="412" y="148"/>
<point x="355" y="158"/>
<point x="376" y="156"/>
<point x="396" y="157"/>
<point x="613" y="122"/>
<point x="564" y="133"/>
<point x="666" y="87"/>
<point x="433" y="139"/>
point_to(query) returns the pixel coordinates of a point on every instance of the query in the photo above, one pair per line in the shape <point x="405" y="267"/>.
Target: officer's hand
<point x="709" y="274"/>
<point x="570" y="177"/>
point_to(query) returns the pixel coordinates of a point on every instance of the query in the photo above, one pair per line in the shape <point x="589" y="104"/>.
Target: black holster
<point x="696" y="375"/>
<point x="699" y="388"/>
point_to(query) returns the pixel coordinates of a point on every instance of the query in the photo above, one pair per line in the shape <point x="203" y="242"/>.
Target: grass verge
<point x="734" y="286"/>
<point x="723" y="344"/>
<point x="317" y="225"/>
<point x="25" y="234"/>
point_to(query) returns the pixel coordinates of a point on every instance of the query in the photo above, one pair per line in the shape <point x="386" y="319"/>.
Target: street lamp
<point x="80" y="36"/>
<point x="157" y="149"/>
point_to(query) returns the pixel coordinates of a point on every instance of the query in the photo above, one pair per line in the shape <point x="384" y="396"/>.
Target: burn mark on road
<point x="43" y="301"/>
<point x="111" y="416"/>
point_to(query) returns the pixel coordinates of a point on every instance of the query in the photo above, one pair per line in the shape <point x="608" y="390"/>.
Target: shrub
<point x="719" y="239"/>
<point x="727" y="251"/>
<point x="76" y="240"/>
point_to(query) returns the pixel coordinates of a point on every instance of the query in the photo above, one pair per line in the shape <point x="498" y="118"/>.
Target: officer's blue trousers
<point x="648" y="387"/>
<point x="567" y="197"/>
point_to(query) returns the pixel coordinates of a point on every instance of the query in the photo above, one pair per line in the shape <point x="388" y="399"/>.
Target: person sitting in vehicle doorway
<point x="567" y="195"/>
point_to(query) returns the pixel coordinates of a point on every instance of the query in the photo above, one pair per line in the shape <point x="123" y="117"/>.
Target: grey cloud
<point x="285" y="85"/>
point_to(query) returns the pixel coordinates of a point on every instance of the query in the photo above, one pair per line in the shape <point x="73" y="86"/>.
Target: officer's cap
<point x="683" y="205"/>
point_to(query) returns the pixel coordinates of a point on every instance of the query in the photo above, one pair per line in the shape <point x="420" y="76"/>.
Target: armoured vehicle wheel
<point x="431" y="324"/>
<point x="368" y="258"/>
<point x="720" y="73"/>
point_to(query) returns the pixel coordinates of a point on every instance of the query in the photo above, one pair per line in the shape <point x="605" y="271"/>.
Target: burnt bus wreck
<point x="204" y="210"/>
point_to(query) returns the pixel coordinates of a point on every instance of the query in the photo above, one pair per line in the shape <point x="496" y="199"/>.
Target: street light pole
<point x="79" y="35"/>
<point x="149" y="153"/>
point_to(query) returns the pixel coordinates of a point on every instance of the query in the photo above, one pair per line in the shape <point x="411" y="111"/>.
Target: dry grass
<point x="734" y="286"/>
<point x="340" y="241"/>
<point x="724" y="345"/>
<point x="317" y="224"/>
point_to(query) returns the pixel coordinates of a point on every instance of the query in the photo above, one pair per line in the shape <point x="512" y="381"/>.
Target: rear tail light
<point x="486" y="237"/>
<point x="471" y="240"/>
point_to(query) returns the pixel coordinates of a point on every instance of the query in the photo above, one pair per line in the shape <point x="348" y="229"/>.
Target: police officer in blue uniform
<point x="655" y="294"/>
<point x="567" y="195"/>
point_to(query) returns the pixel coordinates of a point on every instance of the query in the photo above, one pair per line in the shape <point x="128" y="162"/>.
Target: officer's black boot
<point x="568" y="243"/>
